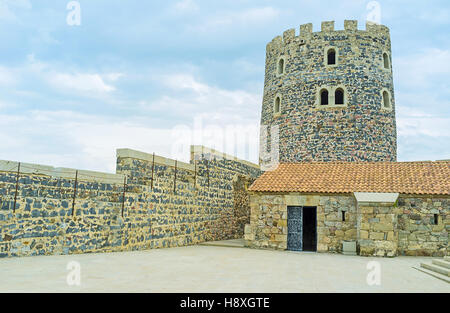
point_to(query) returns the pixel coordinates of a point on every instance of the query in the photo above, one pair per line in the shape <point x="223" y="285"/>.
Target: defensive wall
<point x="151" y="202"/>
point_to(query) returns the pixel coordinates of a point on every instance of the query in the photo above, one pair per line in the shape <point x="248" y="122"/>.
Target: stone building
<point x="328" y="118"/>
<point x="329" y="95"/>
<point x="382" y="208"/>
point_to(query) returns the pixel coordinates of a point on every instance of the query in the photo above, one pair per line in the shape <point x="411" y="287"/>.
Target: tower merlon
<point x="372" y="27"/>
<point x="351" y="25"/>
<point x="306" y="30"/>
<point x="289" y="35"/>
<point x="275" y="44"/>
<point x="328" y="26"/>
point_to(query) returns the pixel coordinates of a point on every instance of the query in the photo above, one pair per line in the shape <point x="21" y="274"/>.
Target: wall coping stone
<point x="196" y="150"/>
<point x="61" y="172"/>
<point x="376" y="197"/>
<point x="134" y="154"/>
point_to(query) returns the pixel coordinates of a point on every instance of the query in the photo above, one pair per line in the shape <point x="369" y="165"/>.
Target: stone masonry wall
<point x="45" y="221"/>
<point x="377" y="231"/>
<point x="380" y="229"/>
<point x="172" y="211"/>
<point x="268" y="220"/>
<point x="418" y="235"/>
<point x="331" y="229"/>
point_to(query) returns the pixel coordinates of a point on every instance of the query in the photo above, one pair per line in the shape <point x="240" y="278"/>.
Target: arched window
<point x="386" y="100"/>
<point x="386" y="60"/>
<point x="280" y="66"/>
<point x="324" y="97"/>
<point x="331" y="57"/>
<point x="277" y="105"/>
<point x="339" y="96"/>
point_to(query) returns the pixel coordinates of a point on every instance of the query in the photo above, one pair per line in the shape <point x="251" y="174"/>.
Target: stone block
<point x="376" y="236"/>
<point x="350" y="234"/>
<point x="349" y="247"/>
<point x="312" y="200"/>
<point x="382" y="227"/>
<point x="321" y="247"/>
<point x="391" y="236"/>
<point x="339" y="233"/>
<point x="249" y="237"/>
<point x="366" y="251"/>
<point x="365" y="226"/>
<point x="363" y="234"/>
<point x="366" y="210"/>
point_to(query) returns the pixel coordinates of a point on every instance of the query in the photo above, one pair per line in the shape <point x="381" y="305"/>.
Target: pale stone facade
<point x="403" y="226"/>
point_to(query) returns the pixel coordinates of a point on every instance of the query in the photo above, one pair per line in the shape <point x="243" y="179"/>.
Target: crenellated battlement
<point x="306" y="31"/>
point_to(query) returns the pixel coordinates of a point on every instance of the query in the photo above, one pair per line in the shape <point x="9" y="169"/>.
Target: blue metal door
<point x="295" y="229"/>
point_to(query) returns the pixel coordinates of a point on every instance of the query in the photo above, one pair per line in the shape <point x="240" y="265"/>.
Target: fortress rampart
<point x="152" y="202"/>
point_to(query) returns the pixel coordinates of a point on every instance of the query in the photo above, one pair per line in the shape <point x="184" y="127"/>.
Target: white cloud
<point x="441" y="16"/>
<point x="77" y="140"/>
<point x="237" y="18"/>
<point x="414" y="122"/>
<point x="224" y="119"/>
<point x="75" y="81"/>
<point x="8" y="76"/>
<point x="89" y="142"/>
<point x="186" y="6"/>
<point x="84" y="83"/>
<point x="7" y="8"/>
<point x="81" y="82"/>
<point x="113" y="76"/>
<point x="257" y="15"/>
<point x="190" y="98"/>
<point x="423" y="69"/>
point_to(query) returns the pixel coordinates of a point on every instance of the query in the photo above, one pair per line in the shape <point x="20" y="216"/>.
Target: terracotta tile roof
<point x="347" y="177"/>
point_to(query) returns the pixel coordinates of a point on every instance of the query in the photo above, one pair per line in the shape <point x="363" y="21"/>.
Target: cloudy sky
<point x="147" y="74"/>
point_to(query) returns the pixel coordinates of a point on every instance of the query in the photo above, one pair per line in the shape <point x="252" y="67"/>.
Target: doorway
<point x="302" y="228"/>
<point x="309" y="229"/>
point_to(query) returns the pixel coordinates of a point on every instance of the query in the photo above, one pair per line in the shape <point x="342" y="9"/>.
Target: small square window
<point x="436" y="219"/>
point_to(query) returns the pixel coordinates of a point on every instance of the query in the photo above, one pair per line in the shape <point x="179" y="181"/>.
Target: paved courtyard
<point x="214" y="269"/>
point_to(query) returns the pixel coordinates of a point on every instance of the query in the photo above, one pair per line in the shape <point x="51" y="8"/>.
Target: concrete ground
<point x="215" y="269"/>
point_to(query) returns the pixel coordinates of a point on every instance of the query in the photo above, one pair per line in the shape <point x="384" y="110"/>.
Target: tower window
<point x="343" y="216"/>
<point x="280" y="69"/>
<point x="386" y="100"/>
<point x="386" y="60"/>
<point x="277" y="105"/>
<point x="436" y="219"/>
<point x="324" y="97"/>
<point x="339" y="96"/>
<point x="331" y="57"/>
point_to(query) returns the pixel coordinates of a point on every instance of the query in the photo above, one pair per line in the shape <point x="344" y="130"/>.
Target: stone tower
<point x="329" y="95"/>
